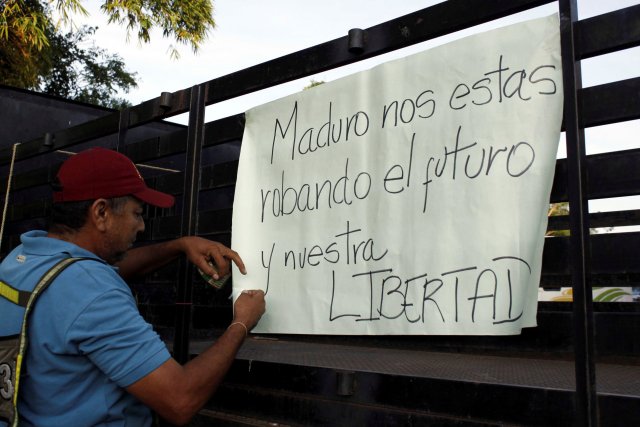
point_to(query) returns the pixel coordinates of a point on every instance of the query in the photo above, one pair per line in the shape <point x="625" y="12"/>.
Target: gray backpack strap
<point x="13" y="349"/>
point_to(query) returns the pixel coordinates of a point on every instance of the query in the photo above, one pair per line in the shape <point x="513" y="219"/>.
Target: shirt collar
<point x="37" y="243"/>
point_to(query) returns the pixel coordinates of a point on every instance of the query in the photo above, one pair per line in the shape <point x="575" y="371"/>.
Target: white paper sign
<point x="407" y="199"/>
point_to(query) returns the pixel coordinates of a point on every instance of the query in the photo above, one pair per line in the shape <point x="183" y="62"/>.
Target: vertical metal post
<point x="123" y="128"/>
<point x="586" y="407"/>
<point x="184" y="295"/>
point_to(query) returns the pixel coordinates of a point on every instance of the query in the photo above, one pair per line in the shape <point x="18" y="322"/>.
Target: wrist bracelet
<point x="246" y="330"/>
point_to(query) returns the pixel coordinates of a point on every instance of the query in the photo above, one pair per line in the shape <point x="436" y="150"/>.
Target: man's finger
<point x="237" y="260"/>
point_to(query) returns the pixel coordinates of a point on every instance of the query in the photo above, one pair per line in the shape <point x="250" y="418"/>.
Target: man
<point x="91" y="358"/>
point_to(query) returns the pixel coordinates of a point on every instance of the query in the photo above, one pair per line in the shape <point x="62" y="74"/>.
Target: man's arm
<point x="145" y="259"/>
<point x="178" y="392"/>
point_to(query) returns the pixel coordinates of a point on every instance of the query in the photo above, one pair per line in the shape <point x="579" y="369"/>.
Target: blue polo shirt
<point x="87" y="340"/>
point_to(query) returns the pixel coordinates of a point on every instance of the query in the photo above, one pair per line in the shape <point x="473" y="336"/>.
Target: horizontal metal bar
<point x="599" y="220"/>
<point x="610" y="103"/>
<point x="613" y="253"/>
<point x="614" y="174"/>
<point x="608" y="33"/>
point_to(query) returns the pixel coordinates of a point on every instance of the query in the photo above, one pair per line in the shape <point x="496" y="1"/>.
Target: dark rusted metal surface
<point x="396" y="380"/>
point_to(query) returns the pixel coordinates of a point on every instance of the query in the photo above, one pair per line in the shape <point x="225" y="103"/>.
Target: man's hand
<point x="249" y="308"/>
<point x="145" y="259"/>
<point x="200" y="251"/>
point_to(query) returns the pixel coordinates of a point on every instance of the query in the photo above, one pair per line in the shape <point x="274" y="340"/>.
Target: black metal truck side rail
<point x="580" y="259"/>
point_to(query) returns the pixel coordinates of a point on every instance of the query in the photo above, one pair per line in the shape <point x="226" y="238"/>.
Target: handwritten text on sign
<point x="407" y="199"/>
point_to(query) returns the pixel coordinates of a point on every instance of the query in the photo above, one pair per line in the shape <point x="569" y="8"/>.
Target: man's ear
<point x="99" y="213"/>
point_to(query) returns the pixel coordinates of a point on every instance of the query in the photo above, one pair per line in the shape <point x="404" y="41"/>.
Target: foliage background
<point x="37" y="54"/>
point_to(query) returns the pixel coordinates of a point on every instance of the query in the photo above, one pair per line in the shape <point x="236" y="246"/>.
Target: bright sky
<point x="250" y="32"/>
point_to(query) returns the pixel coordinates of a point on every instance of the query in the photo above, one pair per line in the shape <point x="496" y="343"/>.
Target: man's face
<point x="124" y="225"/>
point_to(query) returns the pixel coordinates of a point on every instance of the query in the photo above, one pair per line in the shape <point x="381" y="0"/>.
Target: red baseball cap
<point x="99" y="173"/>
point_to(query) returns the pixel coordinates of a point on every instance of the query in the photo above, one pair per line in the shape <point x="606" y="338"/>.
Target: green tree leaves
<point x="35" y="54"/>
<point x="23" y="23"/>
<point x="87" y="74"/>
<point x="186" y="21"/>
